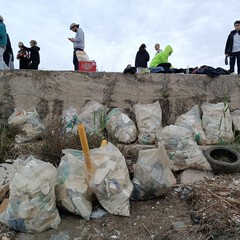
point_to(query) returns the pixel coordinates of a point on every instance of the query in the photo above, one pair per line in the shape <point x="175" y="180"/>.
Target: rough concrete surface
<point x="52" y="91"/>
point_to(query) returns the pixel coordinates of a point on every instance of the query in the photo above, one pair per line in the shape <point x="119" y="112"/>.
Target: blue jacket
<point x="3" y="35"/>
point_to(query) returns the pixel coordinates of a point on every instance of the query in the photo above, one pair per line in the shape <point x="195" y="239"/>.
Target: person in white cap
<point x="78" y="42"/>
<point x="157" y="48"/>
<point x="3" y="43"/>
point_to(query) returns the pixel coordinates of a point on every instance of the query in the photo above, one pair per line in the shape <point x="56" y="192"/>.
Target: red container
<point x="87" y="66"/>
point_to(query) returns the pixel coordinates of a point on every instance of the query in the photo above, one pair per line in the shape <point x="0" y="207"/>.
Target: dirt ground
<point x="165" y="218"/>
<point x="161" y="219"/>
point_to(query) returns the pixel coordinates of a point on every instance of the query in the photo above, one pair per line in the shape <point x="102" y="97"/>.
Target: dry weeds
<point x="216" y="205"/>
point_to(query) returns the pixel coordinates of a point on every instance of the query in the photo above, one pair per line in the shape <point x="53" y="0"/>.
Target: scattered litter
<point x="98" y="213"/>
<point x="60" y="236"/>
<point x="70" y="118"/>
<point x="179" y="225"/>
<point x="183" y="191"/>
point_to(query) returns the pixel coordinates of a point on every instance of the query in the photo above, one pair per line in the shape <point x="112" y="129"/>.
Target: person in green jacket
<point x="162" y="57"/>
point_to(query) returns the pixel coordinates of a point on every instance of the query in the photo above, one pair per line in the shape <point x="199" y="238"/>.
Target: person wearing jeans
<point x="3" y="43"/>
<point x="232" y="48"/>
<point x="78" y="42"/>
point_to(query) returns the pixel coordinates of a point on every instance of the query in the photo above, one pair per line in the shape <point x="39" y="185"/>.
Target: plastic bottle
<point x="187" y="69"/>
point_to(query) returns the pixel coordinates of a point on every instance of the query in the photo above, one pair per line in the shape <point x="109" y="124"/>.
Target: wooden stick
<point x="87" y="160"/>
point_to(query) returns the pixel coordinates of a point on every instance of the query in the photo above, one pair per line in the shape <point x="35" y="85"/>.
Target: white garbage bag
<point x="111" y="182"/>
<point x="72" y="189"/>
<point x="236" y="119"/>
<point x="182" y="149"/>
<point x="149" y="121"/>
<point x="30" y="124"/>
<point x="92" y="116"/>
<point x="121" y="126"/>
<point x="32" y="201"/>
<point x="217" y="123"/>
<point x="192" y="121"/>
<point x="152" y="175"/>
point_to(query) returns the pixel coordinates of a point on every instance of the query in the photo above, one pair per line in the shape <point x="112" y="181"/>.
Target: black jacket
<point x="142" y="58"/>
<point x="229" y="43"/>
<point x="34" y="53"/>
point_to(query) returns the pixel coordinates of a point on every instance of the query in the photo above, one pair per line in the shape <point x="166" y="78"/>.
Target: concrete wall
<point x="52" y="91"/>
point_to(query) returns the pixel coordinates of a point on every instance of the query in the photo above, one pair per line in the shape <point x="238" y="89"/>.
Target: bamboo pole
<point x="87" y="160"/>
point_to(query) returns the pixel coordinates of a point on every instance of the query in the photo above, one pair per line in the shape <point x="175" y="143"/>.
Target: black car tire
<point x="223" y="159"/>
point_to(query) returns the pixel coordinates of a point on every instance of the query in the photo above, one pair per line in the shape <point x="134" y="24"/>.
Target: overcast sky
<point x="114" y="30"/>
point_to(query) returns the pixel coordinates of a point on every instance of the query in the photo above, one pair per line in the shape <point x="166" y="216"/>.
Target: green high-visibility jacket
<point x="161" y="57"/>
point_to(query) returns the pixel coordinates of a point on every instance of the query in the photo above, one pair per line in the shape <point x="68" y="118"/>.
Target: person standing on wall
<point x="142" y="58"/>
<point x="78" y="42"/>
<point x="23" y="57"/>
<point x="8" y="54"/>
<point x="3" y="43"/>
<point x="34" y="59"/>
<point x="157" y="48"/>
<point x="232" y="48"/>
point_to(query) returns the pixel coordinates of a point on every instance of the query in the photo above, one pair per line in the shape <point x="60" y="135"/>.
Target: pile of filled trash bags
<point x="38" y="187"/>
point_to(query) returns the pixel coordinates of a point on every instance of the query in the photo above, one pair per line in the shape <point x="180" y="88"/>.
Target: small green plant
<point x="223" y="120"/>
<point x="101" y="131"/>
<point x="165" y="94"/>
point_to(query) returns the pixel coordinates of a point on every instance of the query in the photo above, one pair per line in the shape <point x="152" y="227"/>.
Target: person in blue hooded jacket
<point x="3" y="43"/>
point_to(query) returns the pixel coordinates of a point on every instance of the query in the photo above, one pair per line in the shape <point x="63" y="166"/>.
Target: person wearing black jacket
<point x="34" y="58"/>
<point x="232" y="48"/>
<point x="23" y="57"/>
<point x="142" y="58"/>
